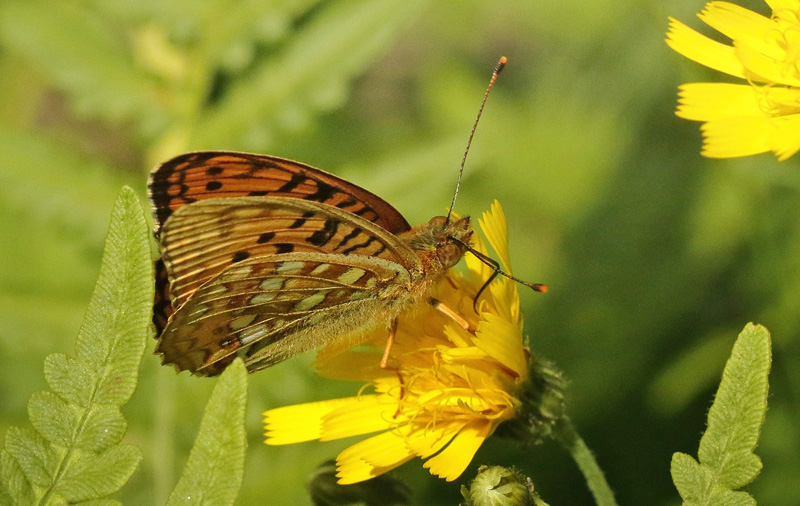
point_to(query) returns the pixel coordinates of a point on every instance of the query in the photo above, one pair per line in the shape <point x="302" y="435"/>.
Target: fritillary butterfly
<point x="265" y="258"/>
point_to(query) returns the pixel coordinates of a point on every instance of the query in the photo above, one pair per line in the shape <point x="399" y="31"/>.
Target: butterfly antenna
<point x="492" y="263"/>
<point x="500" y="64"/>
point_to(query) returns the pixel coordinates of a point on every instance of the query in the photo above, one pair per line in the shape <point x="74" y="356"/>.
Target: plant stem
<point x="568" y="437"/>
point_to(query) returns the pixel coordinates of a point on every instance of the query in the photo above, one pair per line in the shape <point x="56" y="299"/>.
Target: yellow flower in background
<point x="763" y="114"/>
<point x="451" y="389"/>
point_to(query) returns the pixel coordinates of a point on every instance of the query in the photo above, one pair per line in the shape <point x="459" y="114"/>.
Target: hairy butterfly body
<point x="265" y="258"/>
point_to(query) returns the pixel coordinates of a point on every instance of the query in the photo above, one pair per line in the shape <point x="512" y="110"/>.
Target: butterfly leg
<point x="389" y="343"/>
<point x="447" y="311"/>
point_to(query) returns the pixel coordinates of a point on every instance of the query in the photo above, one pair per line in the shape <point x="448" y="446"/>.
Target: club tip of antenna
<point x="500" y="64"/>
<point x="541" y="288"/>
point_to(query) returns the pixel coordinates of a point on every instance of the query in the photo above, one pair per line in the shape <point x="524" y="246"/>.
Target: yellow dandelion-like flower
<point x="450" y="391"/>
<point x="745" y="119"/>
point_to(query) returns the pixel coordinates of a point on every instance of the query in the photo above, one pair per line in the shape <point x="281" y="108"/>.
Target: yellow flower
<point x="451" y="388"/>
<point x="762" y="115"/>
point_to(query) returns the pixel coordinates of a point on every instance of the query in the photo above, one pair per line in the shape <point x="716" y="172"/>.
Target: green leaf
<point x="36" y="458"/>
<point x="726" y="458"/>
<point x="735" y="418"/>
<point x="97" y="475"/>
<point x="73" y="454"/>
<point x="213" y="473"/>
<point x="113" y="335"/>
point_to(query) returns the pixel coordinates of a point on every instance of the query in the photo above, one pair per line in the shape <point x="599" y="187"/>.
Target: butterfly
<point x="265" y="258"/>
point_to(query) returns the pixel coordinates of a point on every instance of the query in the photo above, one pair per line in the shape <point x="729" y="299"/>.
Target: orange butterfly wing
<point x="192" y="177"/>
<point x="202" y="175"/>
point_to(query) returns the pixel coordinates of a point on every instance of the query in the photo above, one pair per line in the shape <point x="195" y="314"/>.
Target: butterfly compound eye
<point x="449" y="254"/>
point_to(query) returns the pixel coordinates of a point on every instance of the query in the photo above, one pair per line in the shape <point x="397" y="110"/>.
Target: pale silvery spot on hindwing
<point x="352" y="275"/>
<point x="289" y="268"/>
<point x="310" y="301"/>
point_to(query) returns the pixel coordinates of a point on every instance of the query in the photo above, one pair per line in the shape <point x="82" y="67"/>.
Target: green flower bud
<point x="499" y="486"/>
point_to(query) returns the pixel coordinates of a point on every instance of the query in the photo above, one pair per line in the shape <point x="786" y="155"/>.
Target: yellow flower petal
<point x="303" y="422"/>
<point x="430" y="440"/>
<point x="367" y="414"/>
<point x="711" y="101"/>
<point x="495" y="228"/>
<point x="785" y="138"/>
<point x="383" y="450"/>
<point x="742" y="25"/>
<point x="453" y="460"/>
<point x="783" y="4"/>
<point x="358" y="462"/>
<point x="493" y="338"/>
<point x="736" y="136"/>
<point x="764" y="69"/>
<point x="703" y="50"/>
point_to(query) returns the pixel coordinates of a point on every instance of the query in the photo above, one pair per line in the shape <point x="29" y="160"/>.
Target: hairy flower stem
<point x="564" y="432"/>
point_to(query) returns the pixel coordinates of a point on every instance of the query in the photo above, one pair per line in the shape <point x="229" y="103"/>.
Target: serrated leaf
<point x="97" y="475"/>
<point x="213" y="473"/>
<point x="726" y="459"/>
<point x="52" y="417"/>
<point x="35" y="456"/>
<point x="73" y="455"/>
<point x="112" y="338"/>
<point x="735" y="417"/>
<point x="689" y="477"/>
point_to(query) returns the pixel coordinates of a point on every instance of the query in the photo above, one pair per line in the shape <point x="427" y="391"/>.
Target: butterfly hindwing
<point x="269" y="308"/>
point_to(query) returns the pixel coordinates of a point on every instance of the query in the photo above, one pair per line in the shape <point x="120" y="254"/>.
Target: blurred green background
<point x="655" y="257"/>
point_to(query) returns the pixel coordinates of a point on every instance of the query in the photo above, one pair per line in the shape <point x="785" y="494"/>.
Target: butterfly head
<point x="443" y="239"/>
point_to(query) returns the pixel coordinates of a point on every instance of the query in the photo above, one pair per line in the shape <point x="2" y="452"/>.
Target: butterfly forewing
<point x="193" y="177"/>
<point x="250" y="308"/>
<point x="201" y="240"/>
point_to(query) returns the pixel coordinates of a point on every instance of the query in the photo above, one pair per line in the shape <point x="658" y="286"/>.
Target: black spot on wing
<point x="321" y="237"/>
<point x="294" y="182"/>
<point x="355" y="233"/>
<point x="240" y="255"/>
<point x="265" y="237"/>
<point x="324" y="192"/>
<point x="358" y="246"/>
<point x="299" y="222"/>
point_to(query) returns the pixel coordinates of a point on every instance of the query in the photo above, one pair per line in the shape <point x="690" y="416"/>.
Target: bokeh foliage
<point x="655" y="257"/>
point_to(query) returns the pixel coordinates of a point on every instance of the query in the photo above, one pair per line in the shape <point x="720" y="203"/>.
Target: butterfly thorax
<point x="439" y="242"/>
